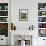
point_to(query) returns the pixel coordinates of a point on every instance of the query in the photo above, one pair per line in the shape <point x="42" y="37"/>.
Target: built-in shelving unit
<point x="4" y="19"/>
<point x="42" y="19"/>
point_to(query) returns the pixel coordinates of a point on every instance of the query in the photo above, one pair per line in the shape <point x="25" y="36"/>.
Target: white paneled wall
<point x="32" y="6"/>
<point x="32" y="12"/>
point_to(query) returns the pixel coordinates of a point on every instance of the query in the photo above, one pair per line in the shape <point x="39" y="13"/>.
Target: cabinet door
<point x="42" y="41"/>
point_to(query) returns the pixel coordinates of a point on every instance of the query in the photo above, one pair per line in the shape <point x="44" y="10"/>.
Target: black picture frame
<point x="23" y="14"/>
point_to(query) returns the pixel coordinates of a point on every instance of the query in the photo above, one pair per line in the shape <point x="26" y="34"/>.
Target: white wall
<point x="32" y="6"/>
<point x="32" y="13"/>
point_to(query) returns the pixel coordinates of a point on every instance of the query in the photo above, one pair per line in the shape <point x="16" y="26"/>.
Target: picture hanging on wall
<point x="23" y="14"/>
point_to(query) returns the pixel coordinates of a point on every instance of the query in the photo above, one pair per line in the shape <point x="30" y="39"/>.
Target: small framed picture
<point x="23" y="14"/>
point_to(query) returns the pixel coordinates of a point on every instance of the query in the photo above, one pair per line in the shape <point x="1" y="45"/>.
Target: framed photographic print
<point x="23" y="14"/>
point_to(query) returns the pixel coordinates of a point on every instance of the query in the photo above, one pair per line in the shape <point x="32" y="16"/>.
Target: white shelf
<point x="41" y="22"/>
<point x="41" y="28"/>
<point x="3" y="10"/>
<point x="41" y="10"/>
<point x="3" y="16"/>
<point x="3" y="22"/>
<point x="42" y="16"/>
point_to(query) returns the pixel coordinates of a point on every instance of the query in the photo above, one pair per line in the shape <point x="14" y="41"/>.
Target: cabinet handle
<point x="43" y="39"/>
<point x="1" y="39"/>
